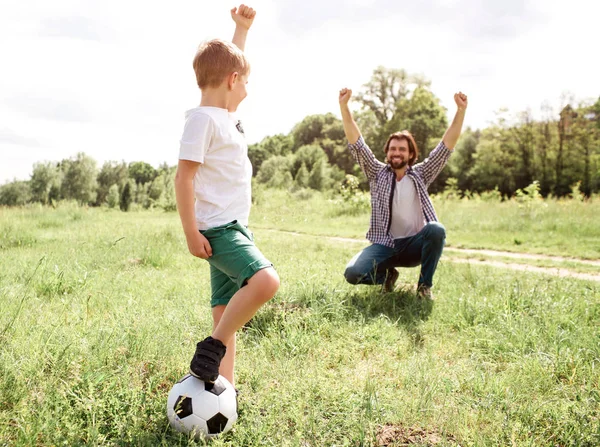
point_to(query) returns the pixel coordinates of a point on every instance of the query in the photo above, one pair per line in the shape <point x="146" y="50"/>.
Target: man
<point x="404" y="230"/>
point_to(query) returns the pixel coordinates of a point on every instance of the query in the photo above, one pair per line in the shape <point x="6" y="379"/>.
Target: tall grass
<point x="100" y="314"/>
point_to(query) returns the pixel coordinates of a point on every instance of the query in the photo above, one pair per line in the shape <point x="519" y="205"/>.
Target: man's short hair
<point x="216" y="59"/>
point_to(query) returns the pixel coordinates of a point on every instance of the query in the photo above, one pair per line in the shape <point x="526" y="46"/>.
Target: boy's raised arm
<point x="243" y="18"/>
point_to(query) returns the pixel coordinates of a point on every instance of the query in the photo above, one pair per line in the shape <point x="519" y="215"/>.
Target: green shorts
<point x="235" y="259"/>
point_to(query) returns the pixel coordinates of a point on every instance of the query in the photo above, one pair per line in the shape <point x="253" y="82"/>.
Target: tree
<point x="314" y="128"/>
<point x="326" y="131"/>
<point x="463" y="160"/>
<point x="125" y="201"/>
<point x="140" y="194"/>
<point x="112" y="199"/>
<point x="112" y="173"/>
<point x="279" y="144"/>
<point x="384" y="91"/>
<point x="562" y="186"/>
<point x="317" y="180"/>
<point x="79" y="182"/>
<point x="309" y="156"/>
<point x="523" y="133"/>
<point x="301" y="178"/>
<point x="494" y="161"/>
<point x="167" y="200"/>
<point x="275" y="172"/>
<point x="15" y="193"/>
<point x="586" y="134"/>
<point x="157" y="188"/>
<point x="269" y="146"/>
<point x="545" y="137"/>
<point x="141" y="172"/>
<point x="338" y="154"/>
<point x="46" y="178"/>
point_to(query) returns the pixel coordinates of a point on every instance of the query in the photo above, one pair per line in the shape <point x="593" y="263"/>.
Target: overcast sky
<point x="114" y="78"/>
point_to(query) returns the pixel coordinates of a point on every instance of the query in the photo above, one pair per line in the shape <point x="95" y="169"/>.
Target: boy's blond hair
<point x="216" y="59"/>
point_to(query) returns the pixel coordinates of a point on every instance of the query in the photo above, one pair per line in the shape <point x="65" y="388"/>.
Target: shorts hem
<point x="219" y="302"/>
<point x="251" y="270"/>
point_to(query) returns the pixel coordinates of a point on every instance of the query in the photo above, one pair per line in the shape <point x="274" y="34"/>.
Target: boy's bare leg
<point x="228" y="363"/>
<point x="210" y="352"/>
<point x="245" y="303"/>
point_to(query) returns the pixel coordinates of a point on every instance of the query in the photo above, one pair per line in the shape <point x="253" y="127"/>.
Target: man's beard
<point x="398" y="164"/>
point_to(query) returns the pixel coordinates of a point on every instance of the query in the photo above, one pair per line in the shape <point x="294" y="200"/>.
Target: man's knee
<point x="436" y="232"/>
<point x="352" y="275"/>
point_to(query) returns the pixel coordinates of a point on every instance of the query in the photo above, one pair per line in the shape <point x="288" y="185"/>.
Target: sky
<point x="114" y="78"/>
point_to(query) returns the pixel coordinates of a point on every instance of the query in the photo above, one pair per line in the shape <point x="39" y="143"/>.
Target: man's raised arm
<point x="437" y="159"/>
<point x="451" y="136"/>
<point x="350" y="127"/>
<point x="243" y="18"/>
<point x="359" y="149"/>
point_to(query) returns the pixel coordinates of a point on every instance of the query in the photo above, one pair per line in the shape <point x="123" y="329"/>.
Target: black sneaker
<point x="207" y="359"/>
<point x="390" y="280"/>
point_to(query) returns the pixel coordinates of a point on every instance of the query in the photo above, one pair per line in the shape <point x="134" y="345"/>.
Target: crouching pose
<point x="404" y="230"/>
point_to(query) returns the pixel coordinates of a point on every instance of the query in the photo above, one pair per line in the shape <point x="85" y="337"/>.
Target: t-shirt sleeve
<point x="196" y="138"/>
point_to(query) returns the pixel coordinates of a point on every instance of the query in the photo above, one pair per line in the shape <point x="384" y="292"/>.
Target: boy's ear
<point x="232" y="79"/>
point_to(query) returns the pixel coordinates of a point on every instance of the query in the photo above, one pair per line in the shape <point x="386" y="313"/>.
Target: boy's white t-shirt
<point x="222" y="184"/>
<point x="407" y="214"/>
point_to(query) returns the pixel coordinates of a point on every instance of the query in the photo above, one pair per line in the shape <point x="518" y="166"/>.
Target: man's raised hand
<point x="461" y="100"/>
<point x="345" y="95"/>
<point x="243" y="16"/>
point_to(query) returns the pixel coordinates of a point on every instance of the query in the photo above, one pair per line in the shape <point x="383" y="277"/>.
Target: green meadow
<point x="100" y="312"/>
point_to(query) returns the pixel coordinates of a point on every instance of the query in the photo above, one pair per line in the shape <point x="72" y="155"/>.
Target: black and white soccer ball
<point x="204" y="410"/>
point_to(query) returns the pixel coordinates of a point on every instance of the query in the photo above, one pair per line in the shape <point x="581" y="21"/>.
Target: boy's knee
<point x="268" y="281"/>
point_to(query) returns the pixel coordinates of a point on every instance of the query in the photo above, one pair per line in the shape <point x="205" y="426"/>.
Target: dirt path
<point x="509" y="254"/>
<point x="554" y="271"/>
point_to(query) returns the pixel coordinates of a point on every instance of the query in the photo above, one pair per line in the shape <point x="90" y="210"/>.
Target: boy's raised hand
<point x="345" y="95"/>
<point x="243" y="16"/>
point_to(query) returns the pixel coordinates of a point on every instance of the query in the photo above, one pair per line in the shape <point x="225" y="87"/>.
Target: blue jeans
<point x="371" y="266"/>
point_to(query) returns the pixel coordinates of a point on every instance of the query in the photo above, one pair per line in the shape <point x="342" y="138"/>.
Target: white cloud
<point x="113" y="79"/>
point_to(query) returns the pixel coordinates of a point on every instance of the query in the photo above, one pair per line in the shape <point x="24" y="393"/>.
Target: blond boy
<point x="213" y="198"/>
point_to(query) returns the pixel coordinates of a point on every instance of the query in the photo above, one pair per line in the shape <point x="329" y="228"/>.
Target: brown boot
<point x="390" y="280"/>
<point x="424" y="292"/>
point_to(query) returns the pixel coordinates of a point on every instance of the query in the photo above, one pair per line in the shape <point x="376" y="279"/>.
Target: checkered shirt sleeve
<point x="430" y="168"/>
<point x="365" y="158"/>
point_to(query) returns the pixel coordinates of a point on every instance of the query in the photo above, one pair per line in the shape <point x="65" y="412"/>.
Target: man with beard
<point x="404" y="230"/>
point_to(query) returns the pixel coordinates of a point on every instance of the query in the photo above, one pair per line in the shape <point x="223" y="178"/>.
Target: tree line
<point x="559" y="152"/>
<point x="115" y="184"/>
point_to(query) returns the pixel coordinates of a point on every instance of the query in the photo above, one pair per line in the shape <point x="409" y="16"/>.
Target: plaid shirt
<point x="382" y="181"/>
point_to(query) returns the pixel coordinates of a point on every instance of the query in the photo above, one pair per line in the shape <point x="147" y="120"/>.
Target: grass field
<point x="563" y="228"/>
<point x="101" y="310"/>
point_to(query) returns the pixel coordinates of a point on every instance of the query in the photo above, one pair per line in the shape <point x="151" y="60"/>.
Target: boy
<point x="213" y="192"/>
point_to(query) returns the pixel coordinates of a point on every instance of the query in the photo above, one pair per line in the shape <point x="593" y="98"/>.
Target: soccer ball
<point x="204" y="410"/>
